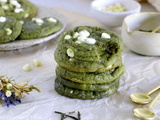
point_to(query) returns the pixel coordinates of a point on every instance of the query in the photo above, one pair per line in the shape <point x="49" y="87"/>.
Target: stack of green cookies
<point x="89" y="63"/>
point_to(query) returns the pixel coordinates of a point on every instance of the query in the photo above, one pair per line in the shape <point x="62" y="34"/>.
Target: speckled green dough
<point x="81" y="94"/>
<point x="87" y="87"/>
<point x="12" y="24"/>
<point x="106" y="63"/>
<point x="91" y="77"/>
<point x="88" y="52"/>
<point x="28" y="7"/>
<point x="2" y="12"/>
<point x="31" y="30"/>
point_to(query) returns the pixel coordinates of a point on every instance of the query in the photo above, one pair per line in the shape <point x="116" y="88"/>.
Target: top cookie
<point x="89" y="43"/>
<point x="19" y="9"/>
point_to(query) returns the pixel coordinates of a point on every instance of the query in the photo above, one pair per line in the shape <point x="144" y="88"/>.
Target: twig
<point x="63" y="116"/>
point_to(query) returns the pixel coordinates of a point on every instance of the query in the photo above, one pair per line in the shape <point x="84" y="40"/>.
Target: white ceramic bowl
<point x="113" y="19"/>
<point x="142" y="42"/>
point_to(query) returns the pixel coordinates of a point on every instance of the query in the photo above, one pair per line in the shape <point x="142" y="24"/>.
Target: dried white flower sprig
<point x="12" y="92"/>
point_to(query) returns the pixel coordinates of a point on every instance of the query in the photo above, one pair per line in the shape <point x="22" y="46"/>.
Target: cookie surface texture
<point x="87" y="87"/>
<point x="81" y="94"/>
<point x="38" y="28"/>
<point x="80" y="42"/>
<point x="19" y="9"/>
<point x="91" y="77"/>
<point x="10" y="29"/>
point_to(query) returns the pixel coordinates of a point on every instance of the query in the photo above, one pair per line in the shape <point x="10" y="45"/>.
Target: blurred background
<point x="82" y="6"/>
<point x="79" y="6"/>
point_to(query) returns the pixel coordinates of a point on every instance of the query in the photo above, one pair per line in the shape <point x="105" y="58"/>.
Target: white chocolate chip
<point x="15" y="3"/>
<point x="26" y="15"/>
<point x="90" y="41"/>
<point x="5" y="7"/>
<point x="70" y="52"/>
<point x="78" y="42"/>
<point x="2" y="19"/>
<point x="67" y="37"/>
<point x="71" y="59"/>
<point x="27" y="67"/>
<point x="38" y="21"/>
<point x="71" y="91"/>
<point x="3" y="0"/>
<point x="37" y="63"/>
<point x="76" y="35"/>
<point x="84" y="33"/>
<point x="82" y="38"/>
<point x="109" y="67"/>
<point x="105" y="35"/>
<point x="51" y="20"/>
<point x="8" y="31"/>
<point x="22" y="22"/>
<point x="18" y="10"/>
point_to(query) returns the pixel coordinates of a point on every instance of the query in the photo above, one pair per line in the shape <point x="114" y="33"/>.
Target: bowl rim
<point x="137" y="7"/>
<point x="135" y="15"/>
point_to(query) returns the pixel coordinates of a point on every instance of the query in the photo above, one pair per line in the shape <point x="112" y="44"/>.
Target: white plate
<point x="42" y="12"/>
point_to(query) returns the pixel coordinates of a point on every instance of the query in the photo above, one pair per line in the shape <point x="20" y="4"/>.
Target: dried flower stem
<point x="63" y="116"/>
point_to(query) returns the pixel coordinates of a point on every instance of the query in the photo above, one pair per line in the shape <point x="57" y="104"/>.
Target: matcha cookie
<point x="19" y="9"/>
<point x="81" y="94"/>
<point x="91" y="77"/>
<point x="89" y="63"/>
<point x="87" y="87"/>
<point x="10" y="28"/>
<point x="2" y="12"/>
<point x="39" y="27"/>
<point x="89" y="43"/>
<point x="106" y="63"/>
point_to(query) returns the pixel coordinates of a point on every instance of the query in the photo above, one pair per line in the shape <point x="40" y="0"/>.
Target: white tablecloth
<point x="142" y="74"/>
